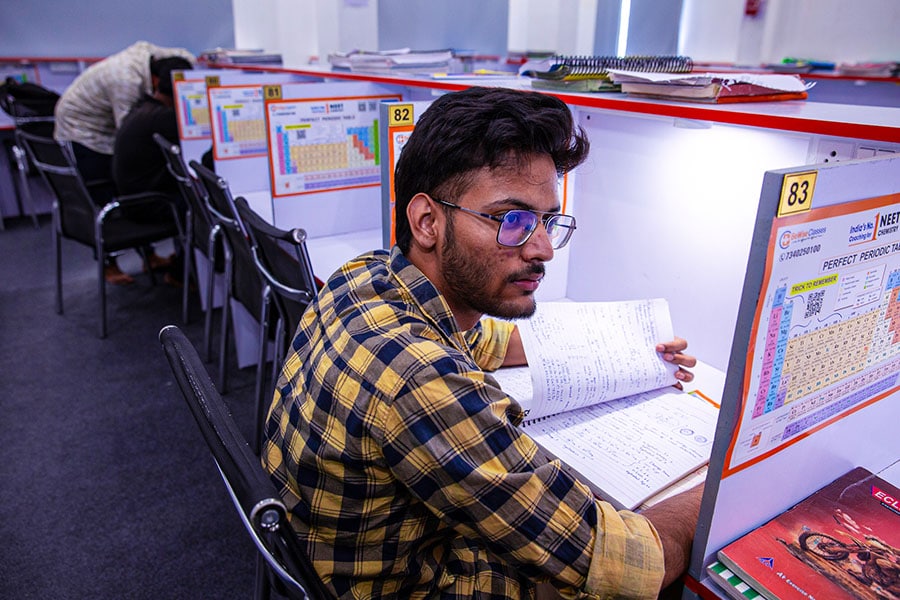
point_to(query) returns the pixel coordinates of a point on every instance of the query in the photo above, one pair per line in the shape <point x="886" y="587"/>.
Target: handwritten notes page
<point x="584" y="353"/>
<point x="630" y="449"/>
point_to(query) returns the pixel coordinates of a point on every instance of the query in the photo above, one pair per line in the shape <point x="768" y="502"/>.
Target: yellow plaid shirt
<point x="404" y="470"/>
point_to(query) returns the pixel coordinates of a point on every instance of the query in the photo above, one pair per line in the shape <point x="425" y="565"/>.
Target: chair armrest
<point x="142" y="199"/>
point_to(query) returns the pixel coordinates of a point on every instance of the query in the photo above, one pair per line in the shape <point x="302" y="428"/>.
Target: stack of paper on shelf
<point x="869" y="69"/>
<point x="399" y="60"/>
<point x="712" y="87"/>
<point x="240" y="57"/>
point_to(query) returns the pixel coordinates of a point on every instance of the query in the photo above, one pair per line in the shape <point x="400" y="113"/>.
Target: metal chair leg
<point x="223" y="326"/>
<point x="102" y="290"/>
<point x="57" y="252"/>
<point x="261" y="364"/>
<point x="186" y="251"/>
<point x="263" y="589"/>
<point x="24" y="189"/>
<point x="210" y="281"/>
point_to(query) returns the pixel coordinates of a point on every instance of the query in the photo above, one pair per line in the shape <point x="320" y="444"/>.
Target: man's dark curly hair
<point x="463" y="132"/>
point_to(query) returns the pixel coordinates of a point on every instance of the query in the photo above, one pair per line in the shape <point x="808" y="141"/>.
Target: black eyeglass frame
<point x="544" y="218"/>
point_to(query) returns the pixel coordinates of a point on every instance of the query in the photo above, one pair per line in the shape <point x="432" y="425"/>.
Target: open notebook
<point x="600" y="398"/>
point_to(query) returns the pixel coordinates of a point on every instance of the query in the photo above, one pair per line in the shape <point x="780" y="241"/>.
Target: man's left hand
<point x="673" y="352"/>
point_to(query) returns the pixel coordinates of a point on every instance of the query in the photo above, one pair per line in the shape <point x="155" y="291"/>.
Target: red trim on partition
<point x="698" y="588"/>
<point x="47" y="59"/>
<point x="881" y="133"/>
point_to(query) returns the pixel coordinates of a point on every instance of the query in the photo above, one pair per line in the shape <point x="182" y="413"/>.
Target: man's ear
<point x="424" y="221"/>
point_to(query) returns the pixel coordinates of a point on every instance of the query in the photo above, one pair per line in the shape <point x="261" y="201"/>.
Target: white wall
<point x="831" y="30"/>
<point x="710" y="30"/>
<point x="561" y="26"/>
<point x="305" y="30"/>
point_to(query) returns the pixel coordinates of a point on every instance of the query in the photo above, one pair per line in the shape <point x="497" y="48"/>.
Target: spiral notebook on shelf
<point x="599" y="398"/>
<point x="591" y="73"/>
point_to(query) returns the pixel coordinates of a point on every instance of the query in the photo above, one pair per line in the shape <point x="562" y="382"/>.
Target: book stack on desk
<point x="840" y="543"/>
<point x="240" y="57"/>
<point x="716" y="88"/>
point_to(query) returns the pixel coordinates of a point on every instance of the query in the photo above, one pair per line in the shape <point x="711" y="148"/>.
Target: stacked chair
<point x="242" y="280"/>
<point x="32" y="113"/>
<point x="201" y="232"/>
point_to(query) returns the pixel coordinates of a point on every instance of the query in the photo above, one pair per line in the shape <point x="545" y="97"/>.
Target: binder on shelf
<point x="712" y="87"/>
<point x="401" y="59"/>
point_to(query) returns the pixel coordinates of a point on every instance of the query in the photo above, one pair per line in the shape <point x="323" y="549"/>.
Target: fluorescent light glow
<point x="624" y="17"/>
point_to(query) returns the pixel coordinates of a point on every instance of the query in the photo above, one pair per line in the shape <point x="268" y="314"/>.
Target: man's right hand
<point x="675" y="520"/>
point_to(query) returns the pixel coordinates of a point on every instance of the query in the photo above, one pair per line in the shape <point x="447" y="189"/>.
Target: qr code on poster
<point x="814" y="303"/>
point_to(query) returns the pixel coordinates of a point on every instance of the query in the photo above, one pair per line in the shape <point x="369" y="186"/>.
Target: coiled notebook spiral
<point x="594" y="67"/>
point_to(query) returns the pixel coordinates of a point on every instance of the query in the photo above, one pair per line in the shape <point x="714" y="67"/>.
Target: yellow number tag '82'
<point x="400" y="114"/>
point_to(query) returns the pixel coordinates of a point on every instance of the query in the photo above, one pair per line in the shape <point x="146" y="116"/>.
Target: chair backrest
<point x="253" y="493"/>
<point x="191" y="192"/>
<point x="283" y="260"/>
<point x="248" y="284"/>
<point x="55" y="161"/>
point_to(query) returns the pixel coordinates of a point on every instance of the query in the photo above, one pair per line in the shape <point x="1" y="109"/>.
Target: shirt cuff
<point x="489" y="349"/>
<point x="628" y="557"/>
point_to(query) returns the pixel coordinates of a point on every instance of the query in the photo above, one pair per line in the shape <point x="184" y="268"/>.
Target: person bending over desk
<point x="401" y="462"/>
<point x="92" y="108"/>
<point x="139" y="166"/>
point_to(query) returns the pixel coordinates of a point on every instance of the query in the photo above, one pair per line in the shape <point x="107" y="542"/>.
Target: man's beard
<point x="467" y="276"/>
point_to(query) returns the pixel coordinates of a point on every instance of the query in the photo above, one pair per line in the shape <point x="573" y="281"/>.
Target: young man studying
<point x="396" y="452"/>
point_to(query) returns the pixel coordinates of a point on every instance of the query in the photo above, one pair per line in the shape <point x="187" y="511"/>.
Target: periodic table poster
<point x="324" y="144"/>
<point x="826" y="336"/>
<point x="237" y="121"/>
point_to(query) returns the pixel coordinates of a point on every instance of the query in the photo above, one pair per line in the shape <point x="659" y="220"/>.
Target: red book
<point x="843" y="541"/>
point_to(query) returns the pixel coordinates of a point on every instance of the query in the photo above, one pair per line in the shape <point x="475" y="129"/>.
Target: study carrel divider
<point x="799" y="411"/>
<point x="195" y="135"/>
<point x="192" y="103"/>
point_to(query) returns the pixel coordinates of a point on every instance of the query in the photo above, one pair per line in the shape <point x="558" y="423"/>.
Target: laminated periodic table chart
<point x="827" y="337"/>
<point x="813" y="382"/>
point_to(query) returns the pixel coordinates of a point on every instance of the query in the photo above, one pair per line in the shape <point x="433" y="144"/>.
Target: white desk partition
<point x="665" y="209"/>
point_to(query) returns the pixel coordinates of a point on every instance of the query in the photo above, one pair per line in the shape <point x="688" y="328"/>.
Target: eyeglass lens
<point x="517" y="226"/>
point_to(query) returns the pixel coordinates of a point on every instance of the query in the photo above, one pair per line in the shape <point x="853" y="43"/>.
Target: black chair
<point x="284" y="564"/>
<point x="242" y="280"/>
<point x="39" y="123"/>
<point x="200" y="232"/>
<point x="106" y="228"/>
<point x="283" y="260"/>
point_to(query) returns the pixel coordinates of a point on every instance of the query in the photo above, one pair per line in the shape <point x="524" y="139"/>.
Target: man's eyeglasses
<point x="517" y="225"/>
